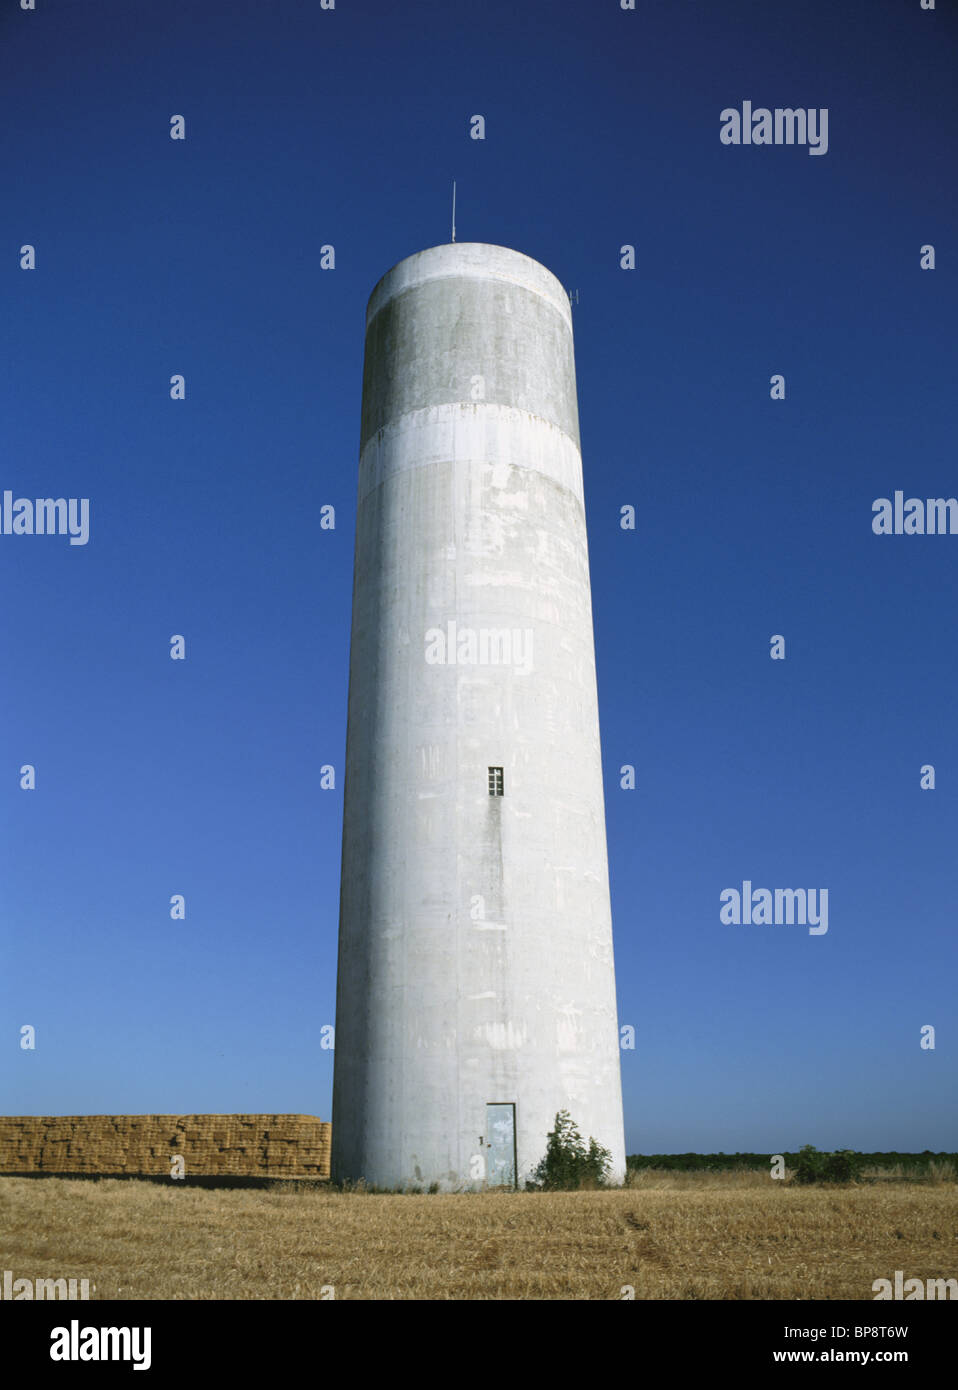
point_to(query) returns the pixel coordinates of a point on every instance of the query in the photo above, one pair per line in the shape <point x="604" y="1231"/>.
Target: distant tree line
<point x="805" y="1159"/>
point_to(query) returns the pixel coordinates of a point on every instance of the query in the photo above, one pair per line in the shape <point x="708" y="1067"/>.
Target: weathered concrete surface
<point x="475" y="954"/>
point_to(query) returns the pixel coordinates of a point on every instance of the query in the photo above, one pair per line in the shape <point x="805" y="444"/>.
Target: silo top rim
<point x="469" y="260"/>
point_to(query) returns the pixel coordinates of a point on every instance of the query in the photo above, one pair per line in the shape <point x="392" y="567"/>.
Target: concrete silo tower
<point x="476" y="989"/>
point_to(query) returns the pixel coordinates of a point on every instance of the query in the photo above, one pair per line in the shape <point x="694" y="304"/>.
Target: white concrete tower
<point x="476" y="989"/>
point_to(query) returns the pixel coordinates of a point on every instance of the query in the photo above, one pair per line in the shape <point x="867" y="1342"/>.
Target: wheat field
<point x="668" y="1236"/>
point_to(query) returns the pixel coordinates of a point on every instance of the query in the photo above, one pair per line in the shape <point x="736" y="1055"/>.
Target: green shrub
<point x="842" y="1166"/>
<point x="810" y="1164"/>
<point x="569" y="1163"/>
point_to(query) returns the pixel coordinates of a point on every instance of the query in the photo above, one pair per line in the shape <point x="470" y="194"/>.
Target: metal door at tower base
<point x="501" y="1141"/>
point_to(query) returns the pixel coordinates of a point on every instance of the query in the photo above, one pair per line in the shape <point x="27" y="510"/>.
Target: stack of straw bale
<point x="280" y="1146"/>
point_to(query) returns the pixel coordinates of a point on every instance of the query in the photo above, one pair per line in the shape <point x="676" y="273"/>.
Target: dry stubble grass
<point x="671" y="1236"/>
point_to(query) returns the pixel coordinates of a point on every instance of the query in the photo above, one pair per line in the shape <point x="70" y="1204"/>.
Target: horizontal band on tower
<point x="464" y="434"/>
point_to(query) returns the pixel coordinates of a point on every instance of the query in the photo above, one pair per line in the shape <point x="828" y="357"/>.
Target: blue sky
<point x="308" y="127"/>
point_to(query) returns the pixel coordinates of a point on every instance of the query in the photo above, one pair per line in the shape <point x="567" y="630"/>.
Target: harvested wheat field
<point x="681" y="1236"/>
